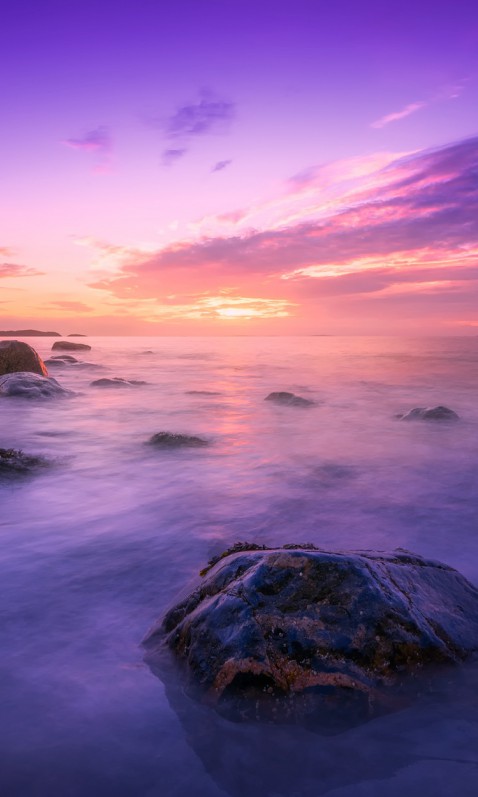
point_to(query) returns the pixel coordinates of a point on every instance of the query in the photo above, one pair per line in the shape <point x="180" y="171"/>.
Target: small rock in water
<point x="65" y="358"/>
<point x="32" y="386"/>
<point x="203" y="393"/>
<point x="171" y="440"/>
<point x="297" y="633"/>
<point x="17" y="356"/>
<point x="430" y="414"/>
<point x="289" y="399"/>
<point x="68" y="345"/>
<point x="13" y="462"/>
<point x="117" y="382"/>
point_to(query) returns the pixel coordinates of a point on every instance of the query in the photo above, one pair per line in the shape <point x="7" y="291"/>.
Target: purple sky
<point x="132" y="132"/>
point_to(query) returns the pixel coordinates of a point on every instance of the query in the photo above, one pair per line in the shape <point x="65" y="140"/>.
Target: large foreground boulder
<point x="295" y="632"/>
<point x="68" y="345"/>
<point x="18" y="356"/>
<point x="28" y="385"/>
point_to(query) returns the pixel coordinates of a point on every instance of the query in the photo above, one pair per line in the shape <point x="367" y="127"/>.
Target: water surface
<point x="94" y="549"/>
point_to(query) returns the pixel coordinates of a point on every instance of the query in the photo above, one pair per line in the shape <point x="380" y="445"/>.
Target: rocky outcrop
<point x="116" y="381"/>
<point x="29" y="333"/>
<point x="16" y="463"/>
<point x="430" y="414"/>
<point x="288" y="399"/>
<point x="18" y="356"/>
<point x="68" y="345"/>
<point x="31" y="386"/>
<point x="172" y="440"/>
<point x="295" y="632"/>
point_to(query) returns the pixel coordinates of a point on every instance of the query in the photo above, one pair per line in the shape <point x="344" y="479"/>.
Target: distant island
<point x="76" y="335"/>
<point x="29" y="333"/>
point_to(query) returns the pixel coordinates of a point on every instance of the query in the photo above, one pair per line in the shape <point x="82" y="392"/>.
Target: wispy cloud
<point x="448" y="92"/>
<point x="170" y="156"/>
<point x="18" y="270"/>
<point x="98" y="142"/>
<point x="209" y="114"/>
<point x="409" y="228"/>
<point x="220" y="165"/>
<point x="413" y="107"/>
<point x="73" y="306"/>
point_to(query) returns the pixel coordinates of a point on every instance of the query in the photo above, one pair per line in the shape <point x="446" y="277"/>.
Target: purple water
<point x="94" y="549"/>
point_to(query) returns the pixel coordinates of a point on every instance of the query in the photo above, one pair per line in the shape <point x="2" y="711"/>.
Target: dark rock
<point x="68" y="345"/>
<point x="17" y="356"/>
<point x="430" y="414"/>
<point x="203" y="393"/>
<point x="295" y="632"/>
<point x="76" y="335"/>
<point x="289" y="399"/>
<point x="117" y="382"/>
<point x="171" y="440"/>
<point x="29" y="385"/>
<point x="13" y="462"/>
<point x="61" y="359"/>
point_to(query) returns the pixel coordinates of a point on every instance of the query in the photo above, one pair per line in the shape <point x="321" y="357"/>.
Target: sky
<point x="217" y="167"/>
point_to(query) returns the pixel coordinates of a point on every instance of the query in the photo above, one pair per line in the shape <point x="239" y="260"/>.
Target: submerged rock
<point x="430" y="414"/>
<point x="295" y="632"/>
<point x="18" y="356"/>
<point x="203" y="393"/>
<point x="68" y="345"/>
<point x="172" y="440"/>
<point x="13" y="462"/>
<point x="29" y="385"/>
<point x="63" y="358"/>
<point x="289" y="399"/>
<point x="117" y="382"/>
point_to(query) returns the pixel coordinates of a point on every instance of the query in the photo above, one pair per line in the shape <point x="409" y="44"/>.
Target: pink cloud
<point x="413" y="107"/>
<point x="412" y="222"/>
<point x="18" y="270"/>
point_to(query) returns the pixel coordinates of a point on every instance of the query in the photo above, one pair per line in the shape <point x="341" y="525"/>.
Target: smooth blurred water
<point x="95" y="548"/>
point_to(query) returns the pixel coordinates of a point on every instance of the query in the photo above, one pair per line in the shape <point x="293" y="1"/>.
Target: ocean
<point x="96" y="547"/>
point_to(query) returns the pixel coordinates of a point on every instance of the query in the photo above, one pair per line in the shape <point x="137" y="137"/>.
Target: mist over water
<point x="95" y="548"/>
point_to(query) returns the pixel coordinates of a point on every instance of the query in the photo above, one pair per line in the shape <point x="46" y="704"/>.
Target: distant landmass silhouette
<point x="29" y="333"/>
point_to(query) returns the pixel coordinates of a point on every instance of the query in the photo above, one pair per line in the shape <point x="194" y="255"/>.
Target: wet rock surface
<point x="289" y="399"/>
<point x="117" y="382"/>
<point x="62" y="358"/>
<point x="32" y="386"/>
<point x="68" y="345"/>
<point x="438" y="413"/>
<point x="173" y="440"/>
<point x="17" y="463"/>
<point x="18" y="356"/>
<point x="296" y="633"/>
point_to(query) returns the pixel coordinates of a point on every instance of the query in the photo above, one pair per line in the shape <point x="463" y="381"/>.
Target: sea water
<point x="94" y="548"/>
